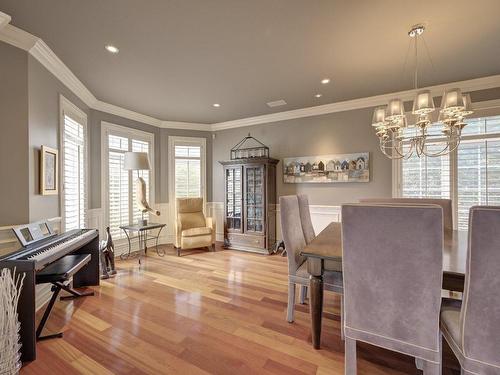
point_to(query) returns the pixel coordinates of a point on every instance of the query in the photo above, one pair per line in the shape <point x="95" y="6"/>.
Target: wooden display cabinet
<point x="250" y="204"/>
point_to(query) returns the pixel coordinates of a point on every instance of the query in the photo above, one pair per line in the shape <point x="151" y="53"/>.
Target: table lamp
<point x="139" y="161"/>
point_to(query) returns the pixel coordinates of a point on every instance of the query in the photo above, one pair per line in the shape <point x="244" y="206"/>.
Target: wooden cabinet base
<point x="248" y="249"/>
<point x="247" y="242"/>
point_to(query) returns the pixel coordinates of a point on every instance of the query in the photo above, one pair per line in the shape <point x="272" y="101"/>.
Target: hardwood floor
<point x="217" y="312"/>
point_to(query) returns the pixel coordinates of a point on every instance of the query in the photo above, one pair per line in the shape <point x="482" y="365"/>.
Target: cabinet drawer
<point x="247" y="240"/>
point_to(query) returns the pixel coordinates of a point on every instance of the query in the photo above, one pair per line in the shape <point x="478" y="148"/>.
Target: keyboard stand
<point x="56" y="274"/>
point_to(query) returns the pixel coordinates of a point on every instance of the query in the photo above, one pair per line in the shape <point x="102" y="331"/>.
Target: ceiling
<point x="178" y="57"/>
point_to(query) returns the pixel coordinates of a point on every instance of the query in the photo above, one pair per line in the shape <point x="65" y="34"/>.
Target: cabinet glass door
<point x="254" y="198"/>
<point x="233" y="199"/>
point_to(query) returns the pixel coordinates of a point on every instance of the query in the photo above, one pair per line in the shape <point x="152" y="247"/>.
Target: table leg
<point x="315" y="269"/>
<point x="125" y="256"/>
<point x="140" y="246"/>
<point x="162" y="251"/>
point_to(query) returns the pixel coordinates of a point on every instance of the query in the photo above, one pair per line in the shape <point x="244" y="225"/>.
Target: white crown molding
<point x="119" y="111"/>
<point x="122" y="112"/>
<point x="17" y="37"/>
<point x="49" y="60"/>
<point x="42" y="52"/>
<point x="486" y="104"/>
<point x="185" y="125"/>
<point x="4" y="19"/>
<point x="372" y="101"/>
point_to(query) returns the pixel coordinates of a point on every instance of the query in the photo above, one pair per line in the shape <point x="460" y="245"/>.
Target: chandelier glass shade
<point x="403" y="134"/>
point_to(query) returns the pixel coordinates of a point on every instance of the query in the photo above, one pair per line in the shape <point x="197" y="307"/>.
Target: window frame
<point x="130" y="133"/>
<point x="186" y="141"/>
<point x="66" y="107"/>
<point x="397" y="169"/>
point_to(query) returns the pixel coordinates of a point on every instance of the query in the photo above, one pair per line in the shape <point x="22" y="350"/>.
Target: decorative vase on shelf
<point x="10" y="347"/>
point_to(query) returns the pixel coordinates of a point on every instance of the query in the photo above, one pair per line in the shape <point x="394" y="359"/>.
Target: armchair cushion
<point x="193" y="232"/>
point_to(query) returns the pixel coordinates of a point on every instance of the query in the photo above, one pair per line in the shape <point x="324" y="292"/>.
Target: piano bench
<point x="57" y="273"/>
<point x="62" y="269"/>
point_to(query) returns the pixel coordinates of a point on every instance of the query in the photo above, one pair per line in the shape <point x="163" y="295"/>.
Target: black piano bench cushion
<point x="62" y="269"/>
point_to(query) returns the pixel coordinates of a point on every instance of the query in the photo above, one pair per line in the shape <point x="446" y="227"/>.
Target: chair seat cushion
<point x="193" y="232"/>
<point x="302" y="270"/>
<point x="450" y="320"/>
<point x="332" y="279"/>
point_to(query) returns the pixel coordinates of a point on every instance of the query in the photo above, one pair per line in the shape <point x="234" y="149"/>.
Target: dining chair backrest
<point x="291" y="231"/>
<point x="444" y="203"/>
<point x="392" y="268"/>
<point x="305" y="218"/>
<point x="480" y="315"/>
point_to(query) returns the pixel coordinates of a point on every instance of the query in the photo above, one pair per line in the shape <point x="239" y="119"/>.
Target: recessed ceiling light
<point x="324" y="81"/>
<point x="111" y="48"/>
<point x="216" y="105"/>
<point x="318" y="95"/>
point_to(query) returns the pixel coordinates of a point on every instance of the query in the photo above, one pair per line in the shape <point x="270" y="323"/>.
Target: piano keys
<point x="42" y="247"/>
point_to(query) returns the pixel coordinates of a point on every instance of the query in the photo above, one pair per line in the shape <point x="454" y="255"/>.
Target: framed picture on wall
<point x="327" y="168"/>
<point x="49" y="171"/>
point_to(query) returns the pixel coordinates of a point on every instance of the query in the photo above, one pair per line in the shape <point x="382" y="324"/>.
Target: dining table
<point x="324" y="253"/>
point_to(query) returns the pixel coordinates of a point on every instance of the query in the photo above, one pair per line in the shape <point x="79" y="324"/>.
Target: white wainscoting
<point x="321" y="216"/>
<point x="216" y="210"/>
<point x="95" y="220"/>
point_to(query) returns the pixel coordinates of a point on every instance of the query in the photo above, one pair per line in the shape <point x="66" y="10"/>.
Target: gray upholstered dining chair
<point x="445" y="204"/>
<point x="473" y="330"/>
<point x="305" y="218"/>
<point x="392" y="267"/>
<point x="293" y="236"/>
<point x="308" y="230"/>
<point x="309" y="235"/>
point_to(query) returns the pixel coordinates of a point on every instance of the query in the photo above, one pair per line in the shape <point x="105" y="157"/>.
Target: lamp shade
<point x="467" y="105"/>
<point x="379" y="116"/>
<point x="136" y="161"/>
<point x="452" y="101"/>
<point x="395" y="110"/>
<point x="423" y="103"/>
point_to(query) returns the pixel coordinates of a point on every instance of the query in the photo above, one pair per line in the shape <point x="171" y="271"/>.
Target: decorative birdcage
<point x="249" y="147"/>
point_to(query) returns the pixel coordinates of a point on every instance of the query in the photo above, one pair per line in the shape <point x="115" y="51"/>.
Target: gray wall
<point x="161" y="154"/>
<point x="44" y="89"/>
<point x="29" y="108"/>
<point x="336" y="133"/>
<point x="14" y="202"/>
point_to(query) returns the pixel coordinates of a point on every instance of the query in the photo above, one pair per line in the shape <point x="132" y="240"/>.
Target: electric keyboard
<point x="41" y="247"/>
<point x="48" y="250"/>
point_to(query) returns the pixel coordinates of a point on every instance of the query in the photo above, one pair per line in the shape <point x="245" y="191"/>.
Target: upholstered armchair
<point x="192" y="229"/>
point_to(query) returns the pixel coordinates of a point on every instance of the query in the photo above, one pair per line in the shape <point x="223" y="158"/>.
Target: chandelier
<point x="403" y="135"/>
